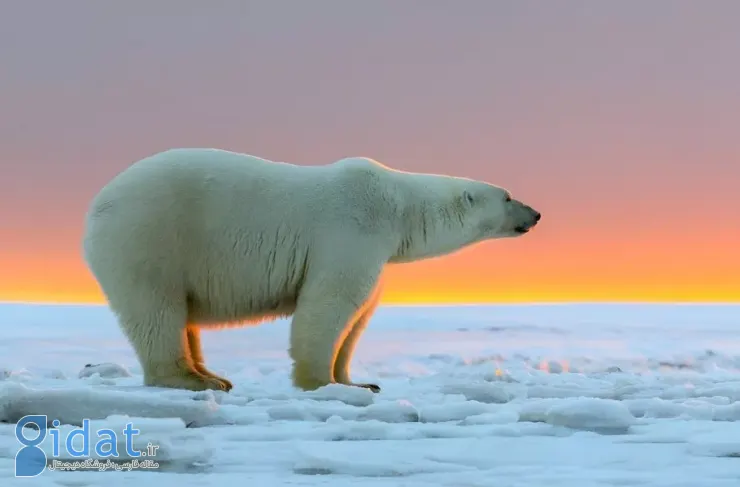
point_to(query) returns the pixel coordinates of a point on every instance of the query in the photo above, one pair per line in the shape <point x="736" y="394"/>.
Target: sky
<point x="617" y="120"/>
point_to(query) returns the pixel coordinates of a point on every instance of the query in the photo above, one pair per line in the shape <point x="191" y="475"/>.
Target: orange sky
<point x="618" y="121"/>
<point x="541" y="266"/>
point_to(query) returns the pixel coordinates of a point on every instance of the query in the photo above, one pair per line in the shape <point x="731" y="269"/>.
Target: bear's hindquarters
<point x="138" y="273"/>
<point x="167" y="349"/>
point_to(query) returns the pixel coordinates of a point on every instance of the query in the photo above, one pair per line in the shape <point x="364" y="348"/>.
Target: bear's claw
<point x="226" y="384"/>
<point x="191" y="382"/>
<point x="373" y="387"/>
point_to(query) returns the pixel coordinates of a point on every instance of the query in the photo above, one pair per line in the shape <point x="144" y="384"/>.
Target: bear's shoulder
<point x="361" y="177"/>
<point x="359" y="166"/>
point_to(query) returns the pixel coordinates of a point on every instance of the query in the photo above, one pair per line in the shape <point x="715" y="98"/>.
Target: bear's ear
<point x="468" y="199"/>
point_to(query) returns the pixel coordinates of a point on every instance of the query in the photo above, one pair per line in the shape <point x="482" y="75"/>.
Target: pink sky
<point x="619" y="120"/>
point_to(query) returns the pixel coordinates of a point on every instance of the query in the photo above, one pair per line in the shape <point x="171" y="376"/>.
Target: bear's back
<point x="203" y="199"/>
<point x="196" y="183"/>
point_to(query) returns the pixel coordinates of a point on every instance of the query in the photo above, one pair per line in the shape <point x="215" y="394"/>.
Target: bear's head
<point x="493" y="213"/>
<point x="446" y="214"/>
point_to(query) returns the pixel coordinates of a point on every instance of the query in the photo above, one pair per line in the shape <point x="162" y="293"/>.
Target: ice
<point x="178" y="448"/>
<point x="605" y="415"/>
<point x="72" y="405"/>
<point x="556" y="395"/>
<point x="104" y="371"/>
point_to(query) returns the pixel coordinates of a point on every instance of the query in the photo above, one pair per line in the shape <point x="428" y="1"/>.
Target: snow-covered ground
<point x="586" y="395"/>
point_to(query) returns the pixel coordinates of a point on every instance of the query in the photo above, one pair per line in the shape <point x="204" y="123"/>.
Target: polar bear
<point x="193" y="238"/>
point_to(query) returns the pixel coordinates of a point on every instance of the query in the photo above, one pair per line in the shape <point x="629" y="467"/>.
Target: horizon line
<point x="440" y="304"/>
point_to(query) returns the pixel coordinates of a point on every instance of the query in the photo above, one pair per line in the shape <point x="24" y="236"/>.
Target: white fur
<point x="192" y="238"/>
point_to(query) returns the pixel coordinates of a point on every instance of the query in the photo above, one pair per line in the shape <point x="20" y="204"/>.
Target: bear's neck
<point x="416" y="226"/>
<point x="423" y="225"/>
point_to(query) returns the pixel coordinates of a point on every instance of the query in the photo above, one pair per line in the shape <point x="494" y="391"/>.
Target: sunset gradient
<point x="619" y="121"/>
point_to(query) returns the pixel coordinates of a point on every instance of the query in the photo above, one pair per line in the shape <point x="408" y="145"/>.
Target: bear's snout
<point x="528" y="218"/>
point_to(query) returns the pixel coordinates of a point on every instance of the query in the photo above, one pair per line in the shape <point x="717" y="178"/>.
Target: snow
<point x="500" y="396"/>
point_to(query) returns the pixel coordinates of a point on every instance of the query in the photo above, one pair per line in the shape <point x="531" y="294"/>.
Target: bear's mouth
<point x="521" y="229"/>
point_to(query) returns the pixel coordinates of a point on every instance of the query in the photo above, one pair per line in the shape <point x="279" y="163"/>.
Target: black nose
<point x="537" y="216"/>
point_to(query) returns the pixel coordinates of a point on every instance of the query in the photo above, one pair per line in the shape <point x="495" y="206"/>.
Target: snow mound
<point x="392" y="463"/>
<point x="724" y="443"/>
<point x="105" y="370"/>
<point x="391" y="412"/>
<point x="356" y="396"/>
<point x="587" y="413"/>
<point x="485" y="392"/>
<point x="72" y="405"/>
<point x="176" y="448"/>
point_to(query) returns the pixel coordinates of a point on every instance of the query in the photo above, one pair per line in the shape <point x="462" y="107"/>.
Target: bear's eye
<point x="468" y="198"/>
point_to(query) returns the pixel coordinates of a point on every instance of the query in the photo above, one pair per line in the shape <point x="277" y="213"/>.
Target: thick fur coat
<point x="193" y="238"/>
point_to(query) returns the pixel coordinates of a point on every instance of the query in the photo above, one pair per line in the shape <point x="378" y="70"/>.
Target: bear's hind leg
<point x="158" y="335"/>
<point x="193" y="337"/>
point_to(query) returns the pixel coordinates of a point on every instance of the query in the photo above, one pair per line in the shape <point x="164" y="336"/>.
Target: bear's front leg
<point x="346" y="351"/>
<point x="323" y="320"/>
